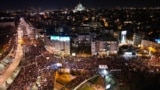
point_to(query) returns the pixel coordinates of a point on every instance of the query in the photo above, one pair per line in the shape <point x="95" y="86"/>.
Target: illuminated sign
<point x="128" y="53"/>
<point x="124" y="32"/>
<point x="103" y="67"/>
<point x="60" y="38"/>
<point x="157" y="40"/>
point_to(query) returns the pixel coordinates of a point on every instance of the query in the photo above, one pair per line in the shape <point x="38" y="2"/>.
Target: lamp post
<point x="151" y="49"/>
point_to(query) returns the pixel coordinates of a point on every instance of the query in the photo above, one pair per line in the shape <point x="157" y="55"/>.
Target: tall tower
<point x="123" y="37"/>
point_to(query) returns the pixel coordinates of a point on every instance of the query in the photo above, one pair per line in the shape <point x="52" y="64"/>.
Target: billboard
<point x="60" y="38"/>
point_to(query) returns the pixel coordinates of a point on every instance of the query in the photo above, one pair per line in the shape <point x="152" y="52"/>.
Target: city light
<point x="79" y="48"/>
<point x="104" y="72"/>
<point x="123" y="37"/>
<point x="60" y="38"/>
<point x="157" y="40"/>
<point x="108" y="86"/>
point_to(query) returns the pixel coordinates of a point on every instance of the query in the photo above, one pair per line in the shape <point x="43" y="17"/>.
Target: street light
<point x="104" y="72"/>
<point x="151" y="49"/>
<point x="108" y="86"/>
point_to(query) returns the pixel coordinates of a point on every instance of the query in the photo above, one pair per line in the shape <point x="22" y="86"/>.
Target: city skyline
<point x="68" y="45"/>
<point x="57" y="4"/>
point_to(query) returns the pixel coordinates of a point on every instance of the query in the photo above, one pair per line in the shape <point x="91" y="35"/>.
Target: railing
<point x="84" y="82"/>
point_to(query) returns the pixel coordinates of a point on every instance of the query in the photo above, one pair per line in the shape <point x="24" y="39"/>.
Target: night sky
<point x="57" y="4"/>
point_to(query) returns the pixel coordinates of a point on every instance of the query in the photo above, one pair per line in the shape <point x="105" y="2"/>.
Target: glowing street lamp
<point x="108" y="86"/>
<point x="151" y="49"/>
<point x="104" y="72"/>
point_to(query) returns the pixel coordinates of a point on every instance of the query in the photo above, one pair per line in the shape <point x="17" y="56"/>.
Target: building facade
<point x="61" y="45"/>
<point x="104" y="48"/>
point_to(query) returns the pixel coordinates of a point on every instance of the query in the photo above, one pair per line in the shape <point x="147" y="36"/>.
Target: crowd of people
<point x="30" y="68"/>
<point x="8" y="55"/>
<point x="8" y="47"/>
<point x="37" y="62"/>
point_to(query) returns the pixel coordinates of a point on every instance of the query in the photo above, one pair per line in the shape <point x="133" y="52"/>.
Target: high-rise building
<point x="137" y="37"/>
<point x="81" y="45"/>
<point x="123" y="37"/>
<point x="104" y="47"/>
<point x="61" y="44"/>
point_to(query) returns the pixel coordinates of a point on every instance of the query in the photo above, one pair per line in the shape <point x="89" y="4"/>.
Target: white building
<point x="79" y="7"/>
<point x="61" y="45"/>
